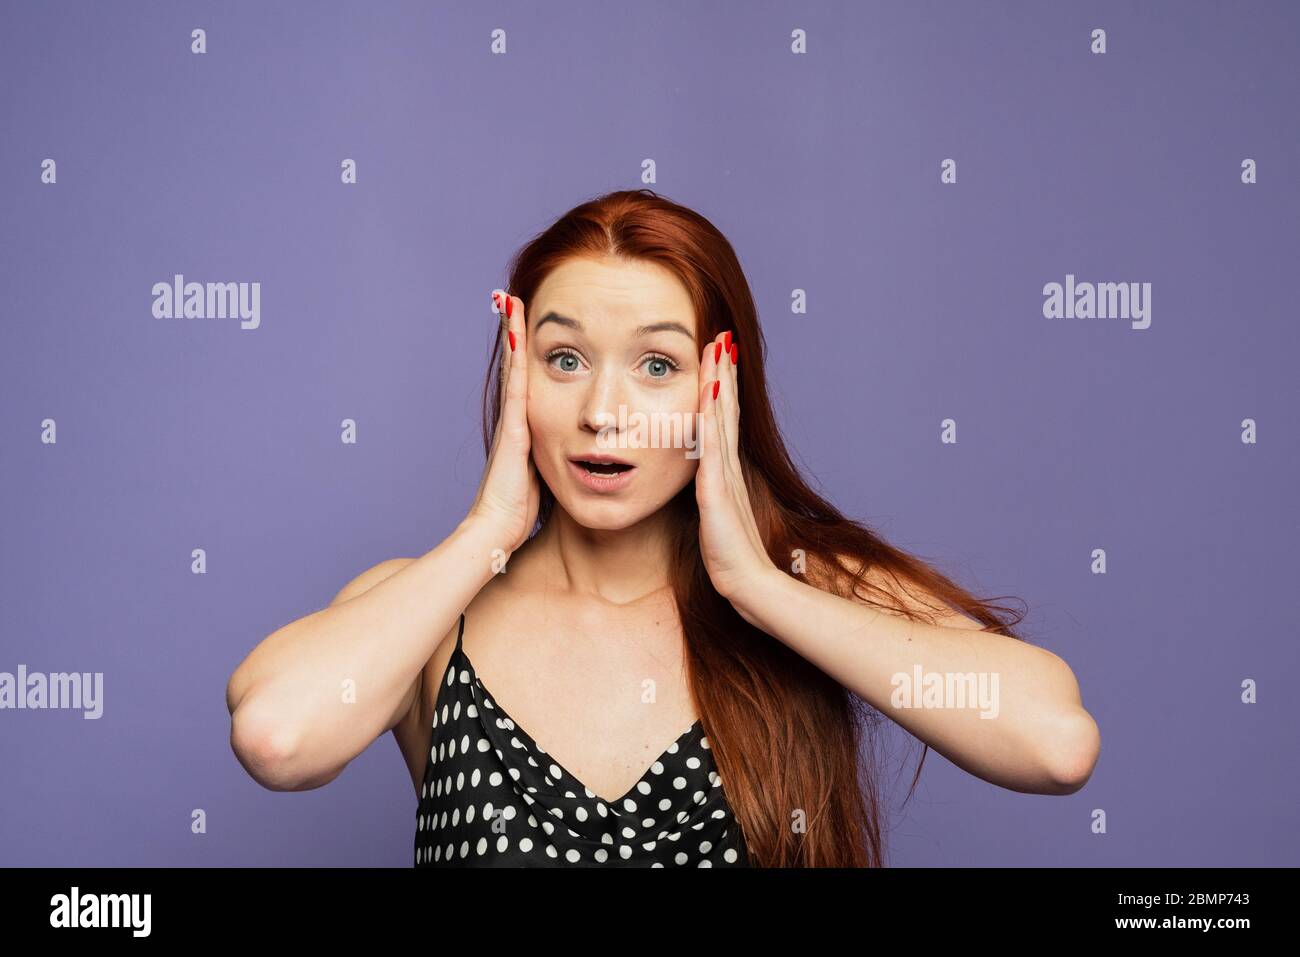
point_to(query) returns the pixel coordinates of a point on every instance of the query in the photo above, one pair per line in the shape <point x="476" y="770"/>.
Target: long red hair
<point x="785" y="736"/>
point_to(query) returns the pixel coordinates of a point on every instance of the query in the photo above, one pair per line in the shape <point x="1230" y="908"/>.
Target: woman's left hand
<point x="730" y="544"/>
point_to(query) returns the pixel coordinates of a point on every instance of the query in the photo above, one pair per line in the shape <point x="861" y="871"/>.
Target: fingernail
<point x="496" y="301"/>
<point x="735" y="352"/>
<point x="726" y="340"/>
<point x="717" y="383"/>
<point x="717" y="352"/>
<point x="512" y="339"/>
<point x="510" y="308"/>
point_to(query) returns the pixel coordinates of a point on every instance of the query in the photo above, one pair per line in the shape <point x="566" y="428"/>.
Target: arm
<point x="315" y="693"/>
<point x="1037" y="738"/>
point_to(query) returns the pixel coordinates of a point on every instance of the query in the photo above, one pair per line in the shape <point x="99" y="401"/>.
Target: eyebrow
<point x="667" y="326"/>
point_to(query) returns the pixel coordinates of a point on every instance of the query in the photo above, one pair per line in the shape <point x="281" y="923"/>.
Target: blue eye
<point x="662" y="366"/>
<point x="564" y="354"/>
<point x="663" y="361"/>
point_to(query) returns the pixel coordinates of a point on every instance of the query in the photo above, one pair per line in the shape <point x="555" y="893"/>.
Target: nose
<point x="605" y="394"/>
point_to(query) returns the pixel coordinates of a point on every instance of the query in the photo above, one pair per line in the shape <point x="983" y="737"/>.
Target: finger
<point x="719" y="366"/>
<point x="515" y="411"/>
<point x="710" y="358"/>
<point x="708" y="435"/>
<point x="729" y="397"/>
<point x="503" y="364"/>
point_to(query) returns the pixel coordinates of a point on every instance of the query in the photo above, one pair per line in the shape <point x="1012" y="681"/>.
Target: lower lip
<point x="602" y="483"/>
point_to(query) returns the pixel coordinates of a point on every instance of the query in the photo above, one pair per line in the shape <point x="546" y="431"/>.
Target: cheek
<point x="681" y="398"/>
<point x="546" y="413"/>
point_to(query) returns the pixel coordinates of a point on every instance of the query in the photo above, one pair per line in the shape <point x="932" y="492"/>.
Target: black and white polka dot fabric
<point x="492" y="797"/>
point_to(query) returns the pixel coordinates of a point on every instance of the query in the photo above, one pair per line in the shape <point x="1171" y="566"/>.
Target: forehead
<point x="602" y="292"/>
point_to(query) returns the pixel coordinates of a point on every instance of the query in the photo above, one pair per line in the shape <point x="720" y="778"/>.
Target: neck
<point x="618" y="566"/>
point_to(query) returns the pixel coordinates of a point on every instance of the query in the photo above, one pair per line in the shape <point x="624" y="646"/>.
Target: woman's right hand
<point x="509" y="493"/>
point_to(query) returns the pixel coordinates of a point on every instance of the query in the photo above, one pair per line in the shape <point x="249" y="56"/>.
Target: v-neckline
<point x="616" y="803"/>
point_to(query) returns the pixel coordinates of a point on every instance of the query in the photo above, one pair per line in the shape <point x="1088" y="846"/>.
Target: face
<point x="609" y="340"/>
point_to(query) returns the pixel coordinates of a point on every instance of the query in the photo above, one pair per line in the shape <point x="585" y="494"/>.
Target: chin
<point x="604" y="514"/>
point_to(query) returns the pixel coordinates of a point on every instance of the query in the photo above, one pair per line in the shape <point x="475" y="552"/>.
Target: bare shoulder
<point x="369" y="578"/>
<point x="905" y="592"/>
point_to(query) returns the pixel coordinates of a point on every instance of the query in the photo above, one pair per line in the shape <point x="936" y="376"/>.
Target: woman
<point x="615" y="591"/>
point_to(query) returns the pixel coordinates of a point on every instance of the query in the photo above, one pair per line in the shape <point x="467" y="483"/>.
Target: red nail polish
<point x="735" y="352"/>
<point x="512" y="340"/>
<point x="717" y="383"/>
<point x="726" y="340"/>
<point x="717" y="352"/>
<point x="509" y="307"/>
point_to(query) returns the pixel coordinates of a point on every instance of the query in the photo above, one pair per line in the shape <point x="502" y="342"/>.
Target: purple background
<point x="823" y="169"/>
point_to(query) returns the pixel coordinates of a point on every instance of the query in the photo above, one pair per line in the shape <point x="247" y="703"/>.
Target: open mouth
<point x="602" y="468"/>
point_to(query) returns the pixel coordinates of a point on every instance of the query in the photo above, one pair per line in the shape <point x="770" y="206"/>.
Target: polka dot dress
<point x="493" y="798"/>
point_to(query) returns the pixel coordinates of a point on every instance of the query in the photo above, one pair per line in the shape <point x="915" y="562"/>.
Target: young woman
<point x="692" y="649"/>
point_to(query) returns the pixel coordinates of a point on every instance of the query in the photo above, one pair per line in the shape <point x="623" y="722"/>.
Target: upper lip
<point x="600" y="457"/>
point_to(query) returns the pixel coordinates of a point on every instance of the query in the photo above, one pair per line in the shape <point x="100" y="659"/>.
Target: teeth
<point x="604" y="468"/>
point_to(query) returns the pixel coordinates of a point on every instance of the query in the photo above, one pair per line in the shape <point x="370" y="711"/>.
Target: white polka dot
<point x="682" y="789"/>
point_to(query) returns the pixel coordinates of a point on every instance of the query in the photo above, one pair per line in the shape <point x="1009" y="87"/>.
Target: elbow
<point x="1073" y="752"/>
<point x="267" y="748"/>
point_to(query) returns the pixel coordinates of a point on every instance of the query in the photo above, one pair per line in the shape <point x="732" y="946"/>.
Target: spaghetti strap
<point x="460" y="631"/>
